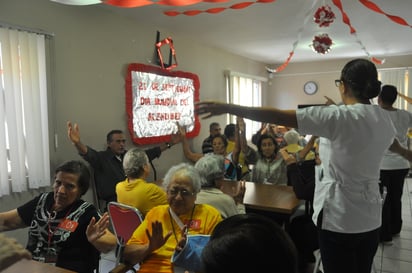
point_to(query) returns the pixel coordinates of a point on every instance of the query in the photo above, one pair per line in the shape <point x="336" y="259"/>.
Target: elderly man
<point x="107" y="165"/>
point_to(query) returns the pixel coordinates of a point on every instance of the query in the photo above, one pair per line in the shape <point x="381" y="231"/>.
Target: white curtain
<point x="24" y="141"/>
<point x="245" y="90"/>
<point x="398" y="77"/>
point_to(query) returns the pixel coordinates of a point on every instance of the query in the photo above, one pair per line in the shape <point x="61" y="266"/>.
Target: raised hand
<point x="156" y="239"/>
<point x="329" y="101"/>
<point x="95" y="230"/>
<point x="73" y="132"/>
<point x="211" y="108"/>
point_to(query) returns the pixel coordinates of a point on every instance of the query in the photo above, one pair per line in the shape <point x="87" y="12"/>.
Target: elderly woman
<point x="165" y="227"/>
<point x="62" y="227"/>
<point x="212" y="168"/>
<point x="135" y="191"/>
<point x="293" y="147"/>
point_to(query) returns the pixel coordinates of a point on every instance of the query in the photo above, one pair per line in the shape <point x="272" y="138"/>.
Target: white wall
<point x="286" y="88"/>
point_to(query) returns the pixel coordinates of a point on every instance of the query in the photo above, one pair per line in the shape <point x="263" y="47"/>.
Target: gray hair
<point x="211" y="167"/>
<point x="291" y="137"/>
<point x="183" y="170"/>
<point x="134" y="161"/>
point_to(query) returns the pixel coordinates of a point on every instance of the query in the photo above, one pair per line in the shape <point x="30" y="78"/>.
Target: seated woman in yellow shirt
<point x="165" y="227"/>
<point x="135" y="191"/>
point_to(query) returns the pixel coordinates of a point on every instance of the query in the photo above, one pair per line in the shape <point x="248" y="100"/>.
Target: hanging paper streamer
<point x="141" y="3"/>
<point x="372" y="6"/>
<point x="363" y="47"/>
<point x="216" y="10"/>
<point x="77" y="2"/>
<point x="346" y="20"/>
<point x="345" y="17"/>
<point x="307" y="16"/>
<point x="324" y="16"/>
<point x="282" y="66"/>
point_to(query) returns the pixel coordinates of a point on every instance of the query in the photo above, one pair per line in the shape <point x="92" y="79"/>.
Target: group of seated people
<point x="68" y="232"/>
<point x="263" y="164"/>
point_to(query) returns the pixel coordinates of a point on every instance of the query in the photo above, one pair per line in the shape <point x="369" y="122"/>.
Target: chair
<point x="124" y="219"/>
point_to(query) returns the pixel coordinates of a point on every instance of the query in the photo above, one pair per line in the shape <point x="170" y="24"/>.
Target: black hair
<point x="361" y="77"/>
<point x="266" y="136"/>
<point x="79" y="168"/>
<point x="213" y="124"/>
<point x="230" y="130"/>
<point x="249" y="243"/>
<point x="388" y="94"/>
<point x="111" y="133"/>
<point x="223" y="137"/>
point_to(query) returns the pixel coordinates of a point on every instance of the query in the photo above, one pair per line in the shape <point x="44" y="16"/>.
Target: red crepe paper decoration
<point x="346" y="20"/>
<point x="282" y="66"/>
<point x="372" y="6"/>
<point x="141" y="3"/>
<point x="322" y="43"/>
<point x="128" y="3"/>
<point x="167" y="41"/>
<point x="216" y="10"/>
<point x="324" y="16"/>
<point x="345" y="17"/>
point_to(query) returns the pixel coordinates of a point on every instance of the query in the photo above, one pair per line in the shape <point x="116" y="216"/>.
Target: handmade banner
<point x="157" y="99"/>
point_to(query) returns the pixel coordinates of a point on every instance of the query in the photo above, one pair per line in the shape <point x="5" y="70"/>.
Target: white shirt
<point x="223" y="202"/>
<point x="359" y="135"/>
<point x="402" y="120"/>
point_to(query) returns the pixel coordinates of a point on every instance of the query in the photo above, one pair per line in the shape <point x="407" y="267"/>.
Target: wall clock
<point x="310" y="87"/>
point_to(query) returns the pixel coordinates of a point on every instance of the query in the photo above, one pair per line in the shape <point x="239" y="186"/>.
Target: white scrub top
<point x="348" y="192"/>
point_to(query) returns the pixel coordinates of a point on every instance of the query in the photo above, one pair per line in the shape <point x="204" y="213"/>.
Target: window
<point x="398" y="77"/>
<point x="24" y="141"/>
<point x="247" y="91"/>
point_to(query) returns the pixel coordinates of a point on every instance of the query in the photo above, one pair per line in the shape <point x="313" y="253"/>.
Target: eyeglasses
<point x="338" y="82"/>
<point x="183" y="192"/>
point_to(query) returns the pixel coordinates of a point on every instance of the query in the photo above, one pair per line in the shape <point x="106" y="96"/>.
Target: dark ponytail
<point x="361" y="77"/>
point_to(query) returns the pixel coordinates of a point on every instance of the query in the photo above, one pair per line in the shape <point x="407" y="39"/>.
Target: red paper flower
<point x="324" y="16"/>
<point x="321" y="43"/>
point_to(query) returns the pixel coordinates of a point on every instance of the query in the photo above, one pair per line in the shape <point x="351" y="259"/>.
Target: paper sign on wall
<point x="157" y="99"/>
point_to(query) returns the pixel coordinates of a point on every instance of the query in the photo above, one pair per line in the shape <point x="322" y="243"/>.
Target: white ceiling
<point x="267" y="32"/>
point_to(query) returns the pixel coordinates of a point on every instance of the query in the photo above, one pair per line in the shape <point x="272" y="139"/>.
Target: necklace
<point x="173" y="216"/>
<point x="51" y="231"/>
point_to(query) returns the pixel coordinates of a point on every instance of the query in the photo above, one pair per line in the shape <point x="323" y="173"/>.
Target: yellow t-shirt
<point x="229" y="149"/>
<point x="140" y="194"/>
<point x="294" y="148"/>
<point x="204" y="220"/>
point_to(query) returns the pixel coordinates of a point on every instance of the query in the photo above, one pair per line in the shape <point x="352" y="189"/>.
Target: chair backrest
<point x="125" y="219"/>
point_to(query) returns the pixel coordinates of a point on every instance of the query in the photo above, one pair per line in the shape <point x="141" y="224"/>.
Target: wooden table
<point x="265" y="197"/>
<point x="31" y="266"/>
